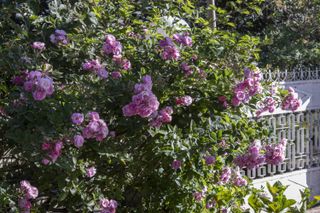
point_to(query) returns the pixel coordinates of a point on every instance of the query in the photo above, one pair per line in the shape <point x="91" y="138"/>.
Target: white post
<point x="212" y="14"/>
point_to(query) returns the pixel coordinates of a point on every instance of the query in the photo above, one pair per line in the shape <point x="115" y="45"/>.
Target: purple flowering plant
<point x="147" y="137"/>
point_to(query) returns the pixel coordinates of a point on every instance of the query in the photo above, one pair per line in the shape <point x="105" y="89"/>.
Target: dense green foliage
<point x="134" y="166"/>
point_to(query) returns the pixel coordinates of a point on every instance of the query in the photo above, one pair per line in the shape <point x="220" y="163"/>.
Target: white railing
<point x="299" y="73"/>
<point x="302" y="128"/>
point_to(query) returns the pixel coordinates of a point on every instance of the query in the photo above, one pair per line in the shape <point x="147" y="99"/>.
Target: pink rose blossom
<point x="116" y="75"/>
<point x="39" y="95"/>
<point x="108" y="206"/>
<point x="176" y="164"/>
<point x="169" y="50"/>
<point x="144" y="103"/>
<point x="95" y="67"/>
<point x="210" y="160"/>
<point x="267" y="105"/>
<point x="59" y="37"/>
<point x="53" y="152"/>
<point x="29" y="192"/>
<point x="38" y="45"/>
<point x="77" y="118"/>
<point x="45" y="161"/>
<point x="91" y="171"/>
<point x="112" y="46"/>
<point x="102" y="73"/>
<point x="239" y="180"/>
<point x="39" y="84"/>
<point x="94" y="116"/>
<point x="186" y="68"/>
<point x="291" y="101"/>
<point x="126" y="64"/>
<point x="247" y="88"/>
<point x="184" y="100"/>
<point x="166" y="42"/>
<point x="92" y="65"/>
<point x="164" y="116"/>
<point x="32" y="193"/>
<point x="253" y="158"/>
<point x="225" y="175"/>
<point x="96" y="128"/>
<point x="275" y="153"/>
<point x="170" y="53"/>
<point x="78" y="141"/>
<point x="183" y="39"/>
<point x="198" y="196"/>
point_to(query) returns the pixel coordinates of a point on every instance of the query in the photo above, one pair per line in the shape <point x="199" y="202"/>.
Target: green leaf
<point x="289" y="203"/>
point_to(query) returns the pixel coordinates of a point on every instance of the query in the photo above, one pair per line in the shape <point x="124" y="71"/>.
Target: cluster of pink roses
<point x="96" y="128"/>
<point x="29" y="192"/>
<point x="273" y="154"/>
<point x="253" y="158"/>
<point x="291" y="101"/>
<point x="112" y="46"/>
<point x="59" y="37"/>
<point x="228" y="174"/>
<point x="169" y="50"/>
<point x="95" y="67"/>
<point x="53" y="150"/>
<point x="163" y="116"/>
<point x="249" y="87"/>
<point x="108" y="206"/>
<point x="183" y="39"/>
<point x="269" y="104"/>
<point x="144" y="103"/>
<point x="39" y="84"/>
<point x="122" y="62"/>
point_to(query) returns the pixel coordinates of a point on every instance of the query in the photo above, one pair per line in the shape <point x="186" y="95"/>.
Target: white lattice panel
<point x="303" y="148"/>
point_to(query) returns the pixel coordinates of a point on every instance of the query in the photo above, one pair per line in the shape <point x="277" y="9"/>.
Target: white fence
<point x="301" y="167"/>
<point x="299" y="73"/>
<point x="303" y="149"/>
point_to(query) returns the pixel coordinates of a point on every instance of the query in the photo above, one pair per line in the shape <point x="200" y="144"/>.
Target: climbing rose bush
<point x="111" y="109"/>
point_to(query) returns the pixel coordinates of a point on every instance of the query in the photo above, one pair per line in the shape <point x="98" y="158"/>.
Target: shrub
<point x="110" y="108"/>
